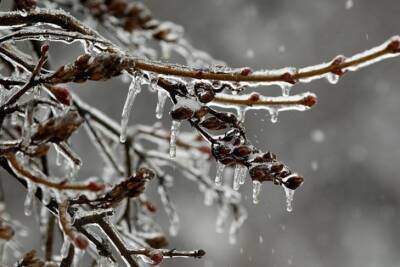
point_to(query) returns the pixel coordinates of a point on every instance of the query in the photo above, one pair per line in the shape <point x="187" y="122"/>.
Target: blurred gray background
<point x="347" y="146"/>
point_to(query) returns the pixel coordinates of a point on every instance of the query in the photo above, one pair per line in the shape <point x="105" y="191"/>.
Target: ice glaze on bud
<point x="213" y="123"/>
<point x="261" y="173"/>
<point x="156" y="256"/>
<point x="336" y="65"/>
<point x="242" y="151"/>
<point x="182" y="113"/>
<point x="310" y="100"/>
<point x="204" y="92"/>
<point x="293" y="182"/>
<point x="288" y="77"/>
<point x="394" y="45"/>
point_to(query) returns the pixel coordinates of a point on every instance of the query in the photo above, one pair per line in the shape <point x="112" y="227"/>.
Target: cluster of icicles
<point x="240" y="172"/>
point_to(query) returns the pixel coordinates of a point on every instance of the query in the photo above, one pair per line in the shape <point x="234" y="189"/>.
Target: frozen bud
<point x="213" y="123"/>
<point x="260" y="173"/>
<point x="200" y="113"/>
<point x="182" y="113"/>
<point x="254" y="97"/>
<point x="310" y="100"/>
<point x="394" y="45"/>
<point x="293" y="182"/>
<point x="156" y="256"/>
<point x="221" y="151"/>
<point x="277" y="167"/>
<point x="242" y="151"/>
<point x="204" y="92"/>
<point x="336" y="63"/>
<point x="81" y="242"/>
<point x="82" y="61"/>
<point x="228" y="117"/>
<point x="288" y="77"/>
<point x="246" y="71"/>
<point x="95" y="186"/>
<point x="61" y="94"/>
<point x="59" y="128"/>
<point x="269" y="156"/>
<point x="44" y="49"/>
<point x="25" y="4"/>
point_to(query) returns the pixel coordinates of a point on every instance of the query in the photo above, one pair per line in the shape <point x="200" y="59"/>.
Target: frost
<point x="174" y="134"/>
<point x="134" y="90"/>
<point x="162" y="97"/>
<point x="257" y="185"/>
<point x="219" y="174"/>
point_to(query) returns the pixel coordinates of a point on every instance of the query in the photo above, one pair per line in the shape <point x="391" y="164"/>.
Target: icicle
<point x="59" y="155"/>
<point x="174" y="133"/>
<point x="286" y="87"/>
<point x="241" y="114"/>
<point x="274" y="115"/>
<point x="134" y="90"/>
<point x="239" y="176"/>
<point x="221" y="219"/>
<point x="256" y="191"/>
<point x="14" y="118"/>
<point x="29" y="198"/>
<point x="45" y="195"/>
<point x="289" y="198"/>
<point x="220" y="172"/>
<point x="162" y="97"/>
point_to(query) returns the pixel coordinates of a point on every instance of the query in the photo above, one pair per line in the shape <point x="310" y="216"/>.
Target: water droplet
<point x="289" y="193"/>
<point x="332" y="78"/>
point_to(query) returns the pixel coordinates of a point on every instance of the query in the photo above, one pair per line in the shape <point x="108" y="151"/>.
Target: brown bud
<point x="81" y="242"/>
<point x="260" y="173"/>
<point x="204" y="92"/>
<point x="269" y="156"/>
<point x="294" y="182"/>
<point x="246" y="71"/>
<point x="277" y="167"/>
<point x="156" y="256"/>
<point x="221" y="151"/>
<point x="394" y="45"/>
<point x="242" y="151"/>
<point x="213" y="123"/>
<point x="61" y="94"/>
<point x="157" y="241"/>
<point x="182" y="113"/>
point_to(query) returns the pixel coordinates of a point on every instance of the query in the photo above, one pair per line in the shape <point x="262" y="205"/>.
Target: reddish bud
<point x="246" y="71"/>
<point x="337" y="61"/>
<point x="310" y="100"/>
<point x="182" y="113"/>
<point x="95" y="187"/>
<point x="81" y="242"/>
<point x="287" y="77"/>
<point x="254" y="97"/>
<point x="394" y="45"/>
<point x="61" y="94"/>
<point x="156" y="256"/>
